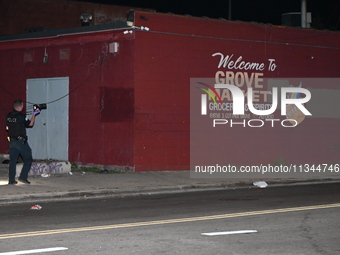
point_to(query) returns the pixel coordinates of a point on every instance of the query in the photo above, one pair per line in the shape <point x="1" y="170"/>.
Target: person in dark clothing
<point x="16" y="124"/>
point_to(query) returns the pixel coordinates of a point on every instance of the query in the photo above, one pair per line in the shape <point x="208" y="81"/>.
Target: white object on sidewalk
<point x="260" y="184"/>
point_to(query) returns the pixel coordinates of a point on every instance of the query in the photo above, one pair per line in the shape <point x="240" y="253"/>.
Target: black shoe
<point x="12" y="182"/>
<point x="24" y="181"/>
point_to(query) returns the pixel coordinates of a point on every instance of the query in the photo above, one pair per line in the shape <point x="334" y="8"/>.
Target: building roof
<point x="66" y="31"/>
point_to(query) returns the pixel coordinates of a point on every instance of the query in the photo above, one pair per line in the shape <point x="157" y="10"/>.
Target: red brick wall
<point x="152" y="71"/>
<point x="178" y="48"/>
<point x="101" y="91"/>
<point x="19" y="15"/>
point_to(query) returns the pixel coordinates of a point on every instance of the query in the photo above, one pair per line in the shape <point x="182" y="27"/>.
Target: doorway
<point x="49" y="136"/>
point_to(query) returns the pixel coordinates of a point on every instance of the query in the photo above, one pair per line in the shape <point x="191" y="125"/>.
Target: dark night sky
<point x="325" y="13"/>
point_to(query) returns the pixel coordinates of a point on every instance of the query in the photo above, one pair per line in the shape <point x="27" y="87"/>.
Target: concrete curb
<point x="106" y="193"/>
<point x="115" y="193"/>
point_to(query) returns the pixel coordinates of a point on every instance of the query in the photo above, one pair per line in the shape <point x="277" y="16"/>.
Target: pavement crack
<point x="306" y="232"/>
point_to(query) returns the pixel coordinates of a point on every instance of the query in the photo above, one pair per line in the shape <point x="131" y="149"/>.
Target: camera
<point x="39" y="107"/>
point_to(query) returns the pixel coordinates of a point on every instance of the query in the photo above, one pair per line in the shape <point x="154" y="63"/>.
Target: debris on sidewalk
<point x="36" y="207"/>
<point x="70" y="173"/>
<point x="45" y="175"/>
<point x="260" y="184"/>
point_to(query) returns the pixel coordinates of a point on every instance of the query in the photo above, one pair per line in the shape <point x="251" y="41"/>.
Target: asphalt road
<point x="274" y="220"/>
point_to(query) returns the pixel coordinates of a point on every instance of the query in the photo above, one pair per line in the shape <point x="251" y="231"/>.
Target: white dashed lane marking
<point x="34" y="251"/>
<point x="230" y="233"/>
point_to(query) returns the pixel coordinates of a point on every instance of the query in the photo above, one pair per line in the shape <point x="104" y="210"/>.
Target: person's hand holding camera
<point x="36" y="111"/>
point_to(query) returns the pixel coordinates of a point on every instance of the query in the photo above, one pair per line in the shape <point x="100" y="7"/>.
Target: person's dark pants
<point x="18" y="147"/>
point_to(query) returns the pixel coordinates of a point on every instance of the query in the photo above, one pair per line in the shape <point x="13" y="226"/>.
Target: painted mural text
<point x="239" y="64"/>
<point x="243" y="74"/>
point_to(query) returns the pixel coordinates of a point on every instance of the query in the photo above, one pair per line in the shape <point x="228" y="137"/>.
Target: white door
<point x="49" y="136"/>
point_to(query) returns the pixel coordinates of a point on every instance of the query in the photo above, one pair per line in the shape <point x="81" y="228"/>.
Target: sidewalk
<point x="86" y="185"/>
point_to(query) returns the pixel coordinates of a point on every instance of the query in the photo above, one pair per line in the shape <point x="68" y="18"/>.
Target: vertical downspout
<point x="304" y="13"/>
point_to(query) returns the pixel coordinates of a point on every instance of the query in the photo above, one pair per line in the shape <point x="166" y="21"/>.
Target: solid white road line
<point x="230" y="233"/>
<point x="34" y="251"/>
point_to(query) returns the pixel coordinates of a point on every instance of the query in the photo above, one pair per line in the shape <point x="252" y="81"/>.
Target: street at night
<point x="301" y="219"/>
